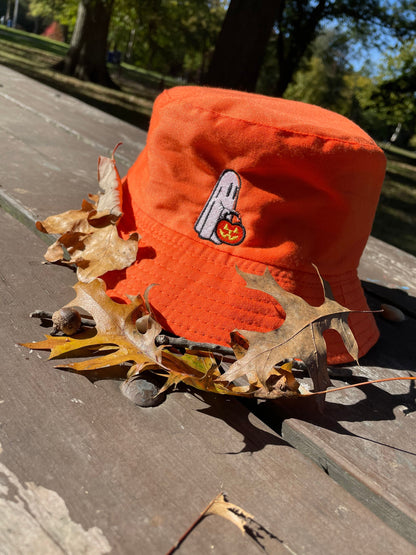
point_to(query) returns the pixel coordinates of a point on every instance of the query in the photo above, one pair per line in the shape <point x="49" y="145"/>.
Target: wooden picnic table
<point x="84" y="470"/>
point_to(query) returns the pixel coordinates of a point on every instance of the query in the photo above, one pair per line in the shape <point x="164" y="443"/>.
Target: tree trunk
<point x="241" y="44"/>
<point x="87" y="55"/>
<point x="295" y="34"/>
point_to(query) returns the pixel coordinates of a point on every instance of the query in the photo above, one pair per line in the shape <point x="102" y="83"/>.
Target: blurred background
<point x="356" y="57"/>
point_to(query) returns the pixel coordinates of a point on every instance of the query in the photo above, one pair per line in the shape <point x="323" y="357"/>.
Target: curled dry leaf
<point x="109" y="181"/>
<point x="89" y="237"/>
<point x="245" y="522"/>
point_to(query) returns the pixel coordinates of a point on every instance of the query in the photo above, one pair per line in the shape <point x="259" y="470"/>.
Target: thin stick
<point x="358" y="384"/>
<point x="179" y="342"/>
<point x="197" y="521"/>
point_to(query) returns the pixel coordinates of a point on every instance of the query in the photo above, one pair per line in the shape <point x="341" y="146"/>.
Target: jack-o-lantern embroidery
<point x="219" y="221"/>
<point x="230" y="233"/>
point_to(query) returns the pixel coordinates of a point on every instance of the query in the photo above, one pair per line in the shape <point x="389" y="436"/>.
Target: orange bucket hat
<point x="230" y="179"/>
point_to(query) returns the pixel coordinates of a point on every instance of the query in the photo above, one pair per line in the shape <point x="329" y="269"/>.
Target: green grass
<point x="35" y="56"/>
<point x="32" y="55"/>
<point x="30" y="40"/>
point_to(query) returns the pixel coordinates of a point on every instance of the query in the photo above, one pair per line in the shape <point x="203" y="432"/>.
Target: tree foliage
<point x="62" y="11"/>
<point x="300" y="22"/>
<point x="395" y="90"/>
<point x="293" y="26"/>
<point x="171" y="37"/>
<point x="377" y="101"/>
<point x="321" y="78"/>
<point x="302" y="48"/>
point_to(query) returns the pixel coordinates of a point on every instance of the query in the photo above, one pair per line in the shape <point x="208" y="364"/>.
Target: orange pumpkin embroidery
<point x="230" y="233"/>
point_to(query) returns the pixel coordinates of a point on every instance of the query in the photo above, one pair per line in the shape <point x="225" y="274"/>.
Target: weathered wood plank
<point x="132" y="476"/>
<point x="389" y="274"/>
<point x="366" y="438"/>
<point x="129" y="479"/>
<point x="75" y="118"/>
<point x="49" y="154"/>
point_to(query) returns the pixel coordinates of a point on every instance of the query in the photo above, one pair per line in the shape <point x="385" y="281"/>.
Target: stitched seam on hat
<point x="346" y="287"/>
<point x="292" y="132"/>
<point x="170" y="294"/>
<point x="207" y="245"/>
<point x="262" y="302"/>
<point x="214" y="249"/>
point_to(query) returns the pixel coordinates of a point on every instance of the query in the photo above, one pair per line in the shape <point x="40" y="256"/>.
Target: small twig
<point x="182" y="343"/>
<point x="397" y="378"/>
<point x="178" y="342"/>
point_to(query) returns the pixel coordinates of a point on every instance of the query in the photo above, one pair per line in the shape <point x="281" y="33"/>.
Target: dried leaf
<point x="89" y="237"/>
<point x="72" y="221"/>
<point x="299" y="337"/>
<point x="116" y="339"/>
<point x="220" y="506"/>
<point x="196" y="369"/>
<point x="115" y="326"/>
<point x="109" y="181"/>
<point x="104" y="251"/>
<point x="246" y="522"/>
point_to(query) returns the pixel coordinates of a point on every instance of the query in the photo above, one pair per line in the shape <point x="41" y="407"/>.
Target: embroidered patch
<point x="219" y="221"/>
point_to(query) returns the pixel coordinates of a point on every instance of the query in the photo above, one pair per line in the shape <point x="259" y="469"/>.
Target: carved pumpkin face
<point x="229" y="233"/>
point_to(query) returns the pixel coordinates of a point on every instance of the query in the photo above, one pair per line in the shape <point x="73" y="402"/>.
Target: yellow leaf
<point x="115" y="326"/>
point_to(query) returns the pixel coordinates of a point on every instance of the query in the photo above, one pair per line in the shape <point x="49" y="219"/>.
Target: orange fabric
<point x="304" y="187"/>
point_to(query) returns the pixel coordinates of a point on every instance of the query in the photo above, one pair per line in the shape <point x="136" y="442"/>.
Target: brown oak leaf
<point x="127" y="333"/>
<point x="245" y="522"/>
<point x="115" y="335"/>
<point x="299" y="337"/>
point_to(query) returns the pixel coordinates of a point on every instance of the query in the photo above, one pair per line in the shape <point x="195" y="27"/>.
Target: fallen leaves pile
<point x="126" y="333"/>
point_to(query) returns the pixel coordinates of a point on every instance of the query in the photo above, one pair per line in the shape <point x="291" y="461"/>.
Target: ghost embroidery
<point x="219" y="221"/>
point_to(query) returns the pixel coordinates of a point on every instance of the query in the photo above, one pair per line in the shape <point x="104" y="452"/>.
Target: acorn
<point x="66" y="320"/>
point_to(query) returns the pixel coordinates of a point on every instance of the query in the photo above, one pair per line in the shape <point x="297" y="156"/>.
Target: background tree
<point x="171" y="37"/>
<point x="380" y="99"/>
<point x="241" y="44"/>
<point x="293" y="26"/>
<point x="87" y="54"/>
<point x="167" y="36"/>
<point x="321" y="78"/>
<point x="17" y="13"/>
<point x="394" y="92"/>
<point x="328" y="79"/>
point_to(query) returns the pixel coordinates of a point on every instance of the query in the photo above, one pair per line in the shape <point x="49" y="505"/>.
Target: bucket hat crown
<point x="230" y="179"/>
